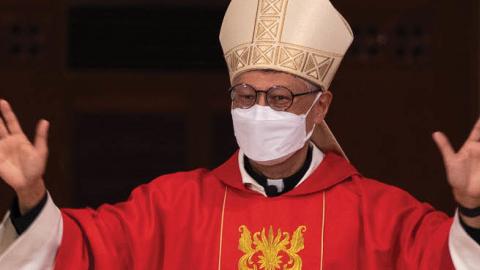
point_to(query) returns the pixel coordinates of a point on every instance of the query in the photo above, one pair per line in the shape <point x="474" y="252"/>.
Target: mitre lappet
<point x="306" y="38"/>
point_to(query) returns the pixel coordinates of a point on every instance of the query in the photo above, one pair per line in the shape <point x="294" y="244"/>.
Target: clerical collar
<point x="276" y="187"/>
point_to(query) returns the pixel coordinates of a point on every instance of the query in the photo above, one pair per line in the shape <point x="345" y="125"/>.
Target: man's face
<point x="263" y="80"/>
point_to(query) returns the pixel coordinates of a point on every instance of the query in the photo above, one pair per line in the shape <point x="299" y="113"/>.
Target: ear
<point x="322" y="106"/>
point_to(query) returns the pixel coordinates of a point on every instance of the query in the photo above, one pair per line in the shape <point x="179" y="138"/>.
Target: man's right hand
<point x="22" y="164"/>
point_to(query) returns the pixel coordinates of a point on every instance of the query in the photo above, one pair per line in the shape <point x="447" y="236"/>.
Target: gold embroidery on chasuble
<point x="271" y="251"/>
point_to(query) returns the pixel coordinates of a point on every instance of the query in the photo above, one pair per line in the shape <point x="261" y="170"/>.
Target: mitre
<point x="306" y="38"/>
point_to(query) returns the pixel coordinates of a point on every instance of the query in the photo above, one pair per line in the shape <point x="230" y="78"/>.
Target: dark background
<point x="135" y="89"/>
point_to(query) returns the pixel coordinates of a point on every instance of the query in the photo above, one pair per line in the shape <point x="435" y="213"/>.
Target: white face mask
<point x="270" y="137"/>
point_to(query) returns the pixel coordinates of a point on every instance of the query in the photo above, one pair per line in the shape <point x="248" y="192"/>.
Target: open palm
<point x="463" y="167"/>
<point x="22" y="164"/>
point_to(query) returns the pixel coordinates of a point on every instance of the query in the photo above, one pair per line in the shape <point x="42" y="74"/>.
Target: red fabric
<point x="175" y="222"/>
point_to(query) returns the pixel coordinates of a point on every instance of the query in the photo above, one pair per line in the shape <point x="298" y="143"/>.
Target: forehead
<point x="264" y="79"/>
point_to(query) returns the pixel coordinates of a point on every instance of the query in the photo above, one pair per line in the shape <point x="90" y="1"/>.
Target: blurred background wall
<point x="135" y="89"/>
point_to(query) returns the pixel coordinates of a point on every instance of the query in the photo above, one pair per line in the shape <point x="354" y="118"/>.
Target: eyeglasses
<point x="278" y="98"/>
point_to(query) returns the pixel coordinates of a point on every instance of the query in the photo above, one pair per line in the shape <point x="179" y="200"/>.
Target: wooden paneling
<point x="187" y="98"/>
<point x="31" y="67"/>
<point x="386" y="106"/>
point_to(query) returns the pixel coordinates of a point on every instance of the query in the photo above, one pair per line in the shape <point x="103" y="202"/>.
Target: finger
<point x="443" y="145"/>
<point x="41" y="136"/>
<point x="475" y="133"/>
<point x="10" y="118"/>
<point x="3" y="129"/>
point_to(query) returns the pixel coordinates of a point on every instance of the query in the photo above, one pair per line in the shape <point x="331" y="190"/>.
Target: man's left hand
<point x="463" y="170"/>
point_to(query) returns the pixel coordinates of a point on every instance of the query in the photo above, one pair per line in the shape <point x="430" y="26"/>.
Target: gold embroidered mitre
<point x="307" y="38"/>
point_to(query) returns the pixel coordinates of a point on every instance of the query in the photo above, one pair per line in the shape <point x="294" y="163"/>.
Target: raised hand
<point x="463" y="168"/>
<point x="22" y="164"/>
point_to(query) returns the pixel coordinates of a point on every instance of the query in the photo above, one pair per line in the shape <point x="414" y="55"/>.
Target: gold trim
<point x="240" y="46"/>
<point x="329" y="67"/>
<point x="255" y="26"/>
<point x="282" y="23"/>
<point x="269" y="20"/>
<point x="260" y="55"/>
<point x="317" y="51"/>
<point x="323" y="231"/>
<point x="221" y="229"/>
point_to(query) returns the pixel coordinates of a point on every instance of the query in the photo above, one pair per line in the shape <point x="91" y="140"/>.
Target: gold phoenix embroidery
<point x="266" y="252"/>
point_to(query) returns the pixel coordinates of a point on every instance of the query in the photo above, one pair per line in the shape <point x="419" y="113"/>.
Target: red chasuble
<point x="207" y="220"/>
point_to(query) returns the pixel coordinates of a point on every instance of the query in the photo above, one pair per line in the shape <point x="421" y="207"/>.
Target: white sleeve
<point x="36" y="248"/>
<point x="465" y="252"/>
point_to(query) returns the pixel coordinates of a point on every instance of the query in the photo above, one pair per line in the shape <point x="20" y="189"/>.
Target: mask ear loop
<point x="314" y="102"/>
<point x="309" y="135"/>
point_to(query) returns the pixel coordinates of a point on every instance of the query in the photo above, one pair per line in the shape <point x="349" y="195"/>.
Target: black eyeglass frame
<point x="268" y="90"/>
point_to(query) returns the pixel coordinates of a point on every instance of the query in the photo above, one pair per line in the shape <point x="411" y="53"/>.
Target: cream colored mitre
<point x="307" y="38"/>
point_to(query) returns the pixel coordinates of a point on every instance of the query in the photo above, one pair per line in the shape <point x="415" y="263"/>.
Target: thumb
<point x="41" y="136"/>
<point x="443" y="145"/>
